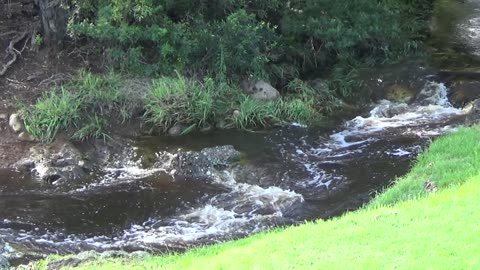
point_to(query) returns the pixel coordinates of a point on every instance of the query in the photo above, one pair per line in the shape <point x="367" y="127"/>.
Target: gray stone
<point x="176" y="130"/>
<point x="472" y="107"/>
<point x="55" y="164"/>
<point x="202" y="164"/>
<point x="260" y="90"/>
<point x="113" y="254"/>
<point x="25" y="137"/>
<point x="221" y="155"/>
<point x="3" y="116"/>
<point x="139" y="255"/>
<point x="4" y="264"/>
<point x="15" y="122"/>
<point x="264" y="91"/>
<point x="463" y="92"/>
<point x="61" y="264"/>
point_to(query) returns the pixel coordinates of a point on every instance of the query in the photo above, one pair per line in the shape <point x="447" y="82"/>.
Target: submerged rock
<point x="200" y="164"/>
<point x="400" y="93"/>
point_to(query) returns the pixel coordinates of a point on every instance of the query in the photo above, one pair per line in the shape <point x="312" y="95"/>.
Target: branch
<point x="13" y="52"/>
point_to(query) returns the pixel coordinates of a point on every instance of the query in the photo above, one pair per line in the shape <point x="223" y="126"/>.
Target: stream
<point x="284" y="177"/>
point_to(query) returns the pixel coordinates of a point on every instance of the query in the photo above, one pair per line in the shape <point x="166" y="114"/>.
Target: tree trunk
<point x="54" y="21"/>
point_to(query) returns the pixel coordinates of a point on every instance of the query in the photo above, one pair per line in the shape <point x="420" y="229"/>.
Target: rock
<point x="3" y="116"/>
<point x="4" y="264"/>
<point x="139" y="255"/>
<point x="207" y="129"/>
<point x="463" y="92"/>
<point x="54" y="164"/>
<point x="412" y="75"/>
<point x="236" y="113"/>
<point x="15" y="123"/>
<point x="113" y="254"/>
<point x="472" y="107"/>
<point x="25" y="137"/>
<point x="203" y="164"/>
<point x="176" y="130"/>
<point x="221" y="155"/>
<point x="260" y="90"/>
<point x="388" y="109"/>
<point x="400" y="93"/>
<point x="61" y="264"/>
<point x="430" y="186"/>
<point x="222" y="124"/>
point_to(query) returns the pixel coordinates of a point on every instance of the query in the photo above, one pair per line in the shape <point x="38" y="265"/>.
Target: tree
<point x="54" y="17"/>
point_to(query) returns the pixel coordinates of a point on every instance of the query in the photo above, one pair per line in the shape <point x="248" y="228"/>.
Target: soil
<point x="35" y="71"/>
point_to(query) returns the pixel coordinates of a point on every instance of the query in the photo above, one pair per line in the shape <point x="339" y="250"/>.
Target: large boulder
<point x="463" y="92"/>
<point x="394" y="82"/>
<point x="400" y="93"/>
<point x="260" y="90"/>
<point x="56" y="163"/>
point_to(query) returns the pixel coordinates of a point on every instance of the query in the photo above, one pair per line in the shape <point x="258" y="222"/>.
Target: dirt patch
<point x="35" y="70"/>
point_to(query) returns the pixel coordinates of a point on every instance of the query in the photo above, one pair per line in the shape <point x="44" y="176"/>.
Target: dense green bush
<point x="274" y="40"/>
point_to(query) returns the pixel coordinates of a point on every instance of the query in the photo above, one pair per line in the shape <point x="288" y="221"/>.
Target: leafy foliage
<point x="274" y="40"/>
<point x="202" y="50"/>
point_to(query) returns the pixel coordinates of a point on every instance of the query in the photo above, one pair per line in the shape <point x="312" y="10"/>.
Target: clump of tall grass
<point x="54" y="111"/>
<point x="81" y="105"/>
<point x="173" y="100"/>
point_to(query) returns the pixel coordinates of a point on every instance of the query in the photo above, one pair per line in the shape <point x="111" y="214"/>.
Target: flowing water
<point x="286" y="176"/>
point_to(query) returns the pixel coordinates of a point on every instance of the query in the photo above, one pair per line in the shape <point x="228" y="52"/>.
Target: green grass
<point x="178" y="100"/>
<point x="90" y="103"/>
<point x="83" y="105"/>
<point x="402" y="229"/>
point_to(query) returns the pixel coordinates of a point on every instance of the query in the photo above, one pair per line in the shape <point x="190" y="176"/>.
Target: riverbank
<point x="428" y="219"/>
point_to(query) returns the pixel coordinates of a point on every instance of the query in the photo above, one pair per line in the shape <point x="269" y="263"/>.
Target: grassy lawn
<point x="405" y="227"/>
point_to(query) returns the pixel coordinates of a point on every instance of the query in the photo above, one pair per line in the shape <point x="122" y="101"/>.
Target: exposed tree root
<point x="12" y="52"/>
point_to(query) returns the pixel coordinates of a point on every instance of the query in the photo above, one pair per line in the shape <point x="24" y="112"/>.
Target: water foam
<point x="390" y="118"/>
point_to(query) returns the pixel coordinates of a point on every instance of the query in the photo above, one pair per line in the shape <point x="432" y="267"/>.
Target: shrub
<point x="274" y="40"/>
